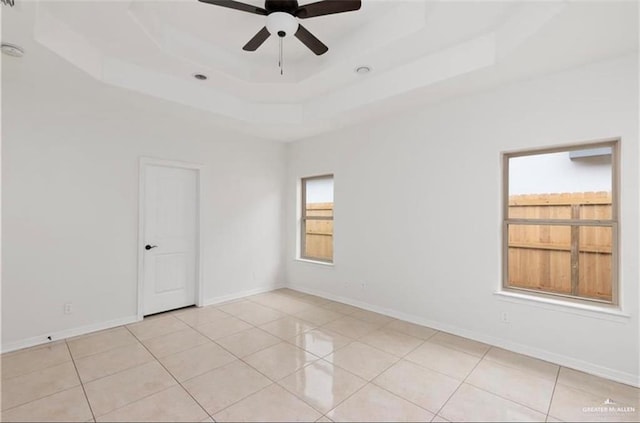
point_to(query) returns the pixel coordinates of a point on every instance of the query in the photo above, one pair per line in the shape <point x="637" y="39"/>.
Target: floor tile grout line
<point x="138" y="400"/>
<point x="367" y="381"/>
<point x="298" y="396"/>
<point x="92" y="334"/>
<point x="273" y="382"/>
<point x="241" y="359"/>
<point x="318" y="325"/>
<point x="349" y="396"/>
<point x="265" y="375"/>
<point x="287" y="313"/>
<point x="586" y="390"/>
<point x="461" y="383"/>
<point x="37" y="399"/>
<point x="248" y="299"/>
<point x="520" y="368"/>
<point x="372" y="381"/>
<point x="121" y="370"/>
<point x="553" y="392"/>
<point x="505" y="398"/>
<point x="5" y="380"/>
<point x="422" y="366"/>
<point x="527" y="372"/>
<point x="137" y="342"/>
<point x="461" y="349"/>
<point x="361" y="340"/>
<point x="277" y="382"/>
<point x="84" y="391"/>
<point x="288" y="339"/>
<point x="253" y="326"/>
<point x="163" y="334"/>
<point x="220" y="337"/>
<point x="317" y="355"/>
<point x="174" y="378"/>
<point x="493" y="393"/>
<point x="237" y="401"/>
<point x="47" y="344"/>
<point x="245" y="330"/>
<point x="243" y="398"/>
<point x="207" y="322"/>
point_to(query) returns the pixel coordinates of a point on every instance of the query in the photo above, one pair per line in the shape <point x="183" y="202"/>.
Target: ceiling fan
<point x="282" y="19"/>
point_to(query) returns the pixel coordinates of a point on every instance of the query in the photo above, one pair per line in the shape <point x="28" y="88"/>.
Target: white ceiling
<point x="420" y="51"/>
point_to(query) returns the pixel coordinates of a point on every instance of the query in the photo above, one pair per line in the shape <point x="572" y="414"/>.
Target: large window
<point x="560" y="222"/>
<point x="317" y="219"/>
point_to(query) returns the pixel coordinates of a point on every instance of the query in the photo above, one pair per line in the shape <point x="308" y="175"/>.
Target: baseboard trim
<point x="562" y="360"/>
<point x="241" y="294"/>
<point x="67" y="333"/>
<point x="83" y="330"/>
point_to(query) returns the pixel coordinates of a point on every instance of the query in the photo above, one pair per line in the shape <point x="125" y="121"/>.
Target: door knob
<point x="148" y="247"/>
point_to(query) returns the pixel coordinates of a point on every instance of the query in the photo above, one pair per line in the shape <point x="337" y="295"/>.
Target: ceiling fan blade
<point x="257" y="40"/>
<point x="231" y="4"/>
<point x="326" y="7"/>
<point x="310" y="40"/>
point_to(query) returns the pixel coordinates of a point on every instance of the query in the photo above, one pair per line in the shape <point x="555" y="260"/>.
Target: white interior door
<point x="170" y="228"/>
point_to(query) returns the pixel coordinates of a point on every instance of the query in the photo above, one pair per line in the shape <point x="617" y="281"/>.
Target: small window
<point x="317" y="218"/>
<point x="560" y="223"/>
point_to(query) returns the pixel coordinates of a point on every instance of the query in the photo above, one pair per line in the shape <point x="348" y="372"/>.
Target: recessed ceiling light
<point x="362" y="70"/>
<point x="200" y="76"/>
<point x="12" y="50"/>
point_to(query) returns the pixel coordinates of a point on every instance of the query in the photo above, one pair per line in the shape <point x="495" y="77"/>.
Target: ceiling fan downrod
<point x="281" y="57"/>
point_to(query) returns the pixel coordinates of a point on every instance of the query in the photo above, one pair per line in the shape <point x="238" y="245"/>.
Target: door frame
<point x="143" y="163"/>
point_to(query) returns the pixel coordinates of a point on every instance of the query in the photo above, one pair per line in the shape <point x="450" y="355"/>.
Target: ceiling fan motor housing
<point x="282" y="19"/>
<point x="282" y="24"/>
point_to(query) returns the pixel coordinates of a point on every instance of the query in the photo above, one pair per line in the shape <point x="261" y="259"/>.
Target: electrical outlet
<point x="68" y="308"/>
<point x="504" y="317"/>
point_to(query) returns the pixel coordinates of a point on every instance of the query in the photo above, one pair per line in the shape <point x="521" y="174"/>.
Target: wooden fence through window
<point x="574" y="260"/>
<point x="319" y="233"/>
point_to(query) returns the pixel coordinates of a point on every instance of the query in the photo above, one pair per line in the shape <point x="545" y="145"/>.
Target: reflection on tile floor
<point x="289" y="356"/>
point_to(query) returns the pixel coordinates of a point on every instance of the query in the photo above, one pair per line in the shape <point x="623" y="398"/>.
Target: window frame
<point x="304" y="218"/>
<point x="613" y="223"/>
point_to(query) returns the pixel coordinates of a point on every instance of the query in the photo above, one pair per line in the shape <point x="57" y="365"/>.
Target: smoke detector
<point x="12" y="50"/>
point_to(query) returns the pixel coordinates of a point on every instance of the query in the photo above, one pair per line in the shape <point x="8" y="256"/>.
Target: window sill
<point x="321" y="263"/>
<point x="598" y="312"/>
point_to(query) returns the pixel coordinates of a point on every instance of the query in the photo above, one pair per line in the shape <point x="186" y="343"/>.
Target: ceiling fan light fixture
<point x="363" y="70"/>
<point x="282" y="24"/>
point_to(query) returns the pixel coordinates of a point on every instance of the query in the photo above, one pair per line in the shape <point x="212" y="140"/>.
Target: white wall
<point x="556" y="173"/>
<point x="429" y="183"/>
<point x="320" y="190"/>
<point x="71" y="148"/>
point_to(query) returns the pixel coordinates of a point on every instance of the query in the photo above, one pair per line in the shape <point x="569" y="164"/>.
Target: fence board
<point x="540" y="255"/>
<point x="319" y="233"/>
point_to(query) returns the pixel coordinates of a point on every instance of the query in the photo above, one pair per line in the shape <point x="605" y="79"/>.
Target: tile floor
<point x="289" y="356"/>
